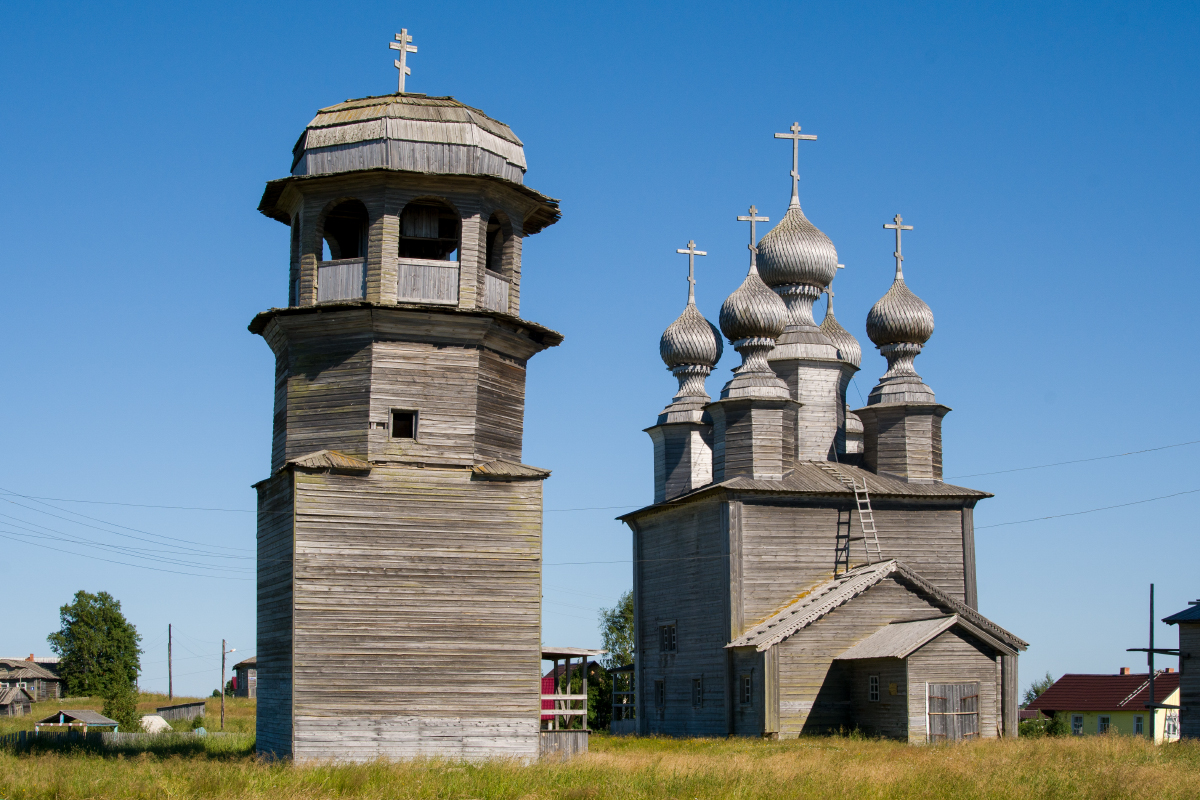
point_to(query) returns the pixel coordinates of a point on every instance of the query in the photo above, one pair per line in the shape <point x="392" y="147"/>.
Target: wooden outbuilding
<point x="15" y="702"/>
<point x="1188" y="621"/>
<point x="245" y="678"/>
<point x="399" y="532"/>
<point x="76" y="719"/>
<point x="804" y="567"/>
<point x="40" y="682"/>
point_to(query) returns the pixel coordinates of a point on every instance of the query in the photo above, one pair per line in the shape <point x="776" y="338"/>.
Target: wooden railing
<point x="423" y="280"/>
<point x="344" y="279"/>
<point x="495" y="291"/>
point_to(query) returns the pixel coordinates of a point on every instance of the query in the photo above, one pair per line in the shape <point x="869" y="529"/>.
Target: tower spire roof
<point x="849" y="350"/>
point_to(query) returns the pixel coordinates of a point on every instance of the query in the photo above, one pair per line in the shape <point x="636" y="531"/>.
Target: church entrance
<point x="952" y="710"/>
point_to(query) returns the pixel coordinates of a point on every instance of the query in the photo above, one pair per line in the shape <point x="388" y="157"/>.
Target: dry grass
<point x="1092" y="767"/>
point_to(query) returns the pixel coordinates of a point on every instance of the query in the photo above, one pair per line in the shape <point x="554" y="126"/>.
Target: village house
<point x="804" y="567"/>
<point x="40" y="682"/>
<point x="15" y="702"/>
<point x="1094" y="704"/>
<point x="1188" y="621"/>
<point x="245" y="678"/>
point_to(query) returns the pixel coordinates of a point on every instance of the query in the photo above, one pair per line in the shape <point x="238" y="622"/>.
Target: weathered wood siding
<point x="1189" y="680"/>
<point x="417" y="615"/>
<point x="499" y="406"/>
<point x="954" y="657"/>
<point x="682" y="561"/>
<point x="786" y="547"/>
<point x="750" y="439"/>
<point x="747" y="719"/>
<point x="814" y="423"/>
<point x="274" y="617"/>
<point x="813" y="693"/>
<point x="904" y="440"/>
<point x="887" y="716"/>
<point x="682" y="458"/>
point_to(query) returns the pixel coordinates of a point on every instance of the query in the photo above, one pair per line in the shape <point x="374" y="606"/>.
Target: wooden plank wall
<point x="418" y="615"/>
<point x="813" y="695"/>
<point x="954" y="657"/>
<point x="814" y="424"/>
<point x="747" y="719"/>
<point x="1189" y="680"/>
<point x="683" y="579"/>
<point x="274" y="616"/>
<point x="887" y="716"/>
<point x="499" y="406"/>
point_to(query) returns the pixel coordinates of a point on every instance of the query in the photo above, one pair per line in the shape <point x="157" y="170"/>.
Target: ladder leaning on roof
<point x="866" y="521"/>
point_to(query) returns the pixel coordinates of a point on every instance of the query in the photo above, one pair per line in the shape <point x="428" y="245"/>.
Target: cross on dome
<point x="753" y="218"/>
<point x="402" y="44"/>
<point x="897" y="227"/>
<point x="692" y="252"/>
<point x="795" y="136"/>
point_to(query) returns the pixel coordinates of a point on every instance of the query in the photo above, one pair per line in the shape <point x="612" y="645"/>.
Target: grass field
<point x="1091" y="767"/>
<point x="239" y="712"/>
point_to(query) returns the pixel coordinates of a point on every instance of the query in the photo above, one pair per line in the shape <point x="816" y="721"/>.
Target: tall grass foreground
<point x="1091" y="767"/>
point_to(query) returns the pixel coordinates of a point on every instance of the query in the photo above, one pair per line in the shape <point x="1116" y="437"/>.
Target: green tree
<point x="1036" y="688"/>
<point x="616" y="630"/>
<point x="120" y="704"/>
<point x="97" y="646"/>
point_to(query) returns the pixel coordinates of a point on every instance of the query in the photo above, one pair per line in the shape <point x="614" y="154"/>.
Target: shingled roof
<point x="1075" y="692"/>
<point x="14" y="669"/>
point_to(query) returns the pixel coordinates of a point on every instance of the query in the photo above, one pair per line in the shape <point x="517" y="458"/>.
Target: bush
<point x="120" y="705"/>
<point x="1036" y="728"/>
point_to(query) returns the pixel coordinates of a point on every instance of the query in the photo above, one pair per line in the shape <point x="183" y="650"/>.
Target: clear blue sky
<point x="1045" y="153"/>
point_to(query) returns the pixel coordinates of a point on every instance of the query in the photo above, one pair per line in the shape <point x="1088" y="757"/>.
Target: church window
<point x="430" y="230"/>
<point x="697" y="692"/>
<point x="404" y="424"/>
<point x="666" y="638"/>
<point x="747" y="690"/>
<point x="660" y="694"/>
<point x="345" y="231"/>
<point x="873" y="688"/>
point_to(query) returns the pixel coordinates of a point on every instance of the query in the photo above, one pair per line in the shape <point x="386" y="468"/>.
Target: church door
<point x="952" y="711"/>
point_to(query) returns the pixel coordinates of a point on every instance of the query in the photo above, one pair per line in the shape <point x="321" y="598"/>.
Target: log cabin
<point x="804" y="568"/>
<point x="399" y="532"/>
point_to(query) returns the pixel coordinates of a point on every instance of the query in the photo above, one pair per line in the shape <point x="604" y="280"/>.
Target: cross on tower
<point x="753" y="218"/>
<point x="829" y="292"/>
<point x="795" y="136"/>
<point x="402" y="44"/>
<point x="692" y="252"/>
<point x="897" y="227"/>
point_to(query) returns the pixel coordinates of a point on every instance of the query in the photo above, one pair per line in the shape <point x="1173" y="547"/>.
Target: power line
<point x="123" y="563"/>
<point x="1088" y="511"/>
<point x="1077" y="461"/>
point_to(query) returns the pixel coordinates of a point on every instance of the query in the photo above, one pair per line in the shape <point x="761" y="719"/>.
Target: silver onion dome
<point x="900" y="317"/>
<point x="753" y="311"/>
<point x="796" y="252"/>
<point x="690" y="340"/>
<point x="849" y="350"/>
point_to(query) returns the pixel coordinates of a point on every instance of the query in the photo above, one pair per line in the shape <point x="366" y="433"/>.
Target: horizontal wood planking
<point x="887" y="716"/>
<point x="274" y="616"/>
<point x="1189" y="680"/>
<point x="954" y="657"/>
<point x="403" y="577"/>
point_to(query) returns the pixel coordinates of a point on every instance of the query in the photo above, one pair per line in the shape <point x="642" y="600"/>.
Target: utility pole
<point x="1150" y="651"/>
<point x="224" y="652"/>
<point x="170" y="683"/>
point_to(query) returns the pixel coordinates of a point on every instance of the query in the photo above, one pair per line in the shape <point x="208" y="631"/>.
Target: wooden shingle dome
<point x="408" y="132"/>
<point x="690" y="340"/>
<point x="796" y="252"/>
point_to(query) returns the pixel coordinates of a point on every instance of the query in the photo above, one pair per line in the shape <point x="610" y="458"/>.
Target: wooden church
<point x="804" y="568"/>
<point x="399" y="532"/>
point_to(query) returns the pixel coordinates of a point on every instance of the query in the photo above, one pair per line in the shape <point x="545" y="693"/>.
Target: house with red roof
<point x="1092" y="704"/>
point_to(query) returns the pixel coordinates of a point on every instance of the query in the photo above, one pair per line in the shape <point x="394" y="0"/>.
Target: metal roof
<point x="818" y="601"/>
<point x="1075" y="692"/>
<point x="79" y="715"/>
<point x="1189" y="614"/>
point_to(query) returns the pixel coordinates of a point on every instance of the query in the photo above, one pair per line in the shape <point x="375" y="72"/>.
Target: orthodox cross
<point x="795" y="136"/>
<point x="829" y="292"/>
<point x="753" y="218"/>
<point x="402" y="44"/>
<point x="692" y="252"/>
<point x="897" y="228"/>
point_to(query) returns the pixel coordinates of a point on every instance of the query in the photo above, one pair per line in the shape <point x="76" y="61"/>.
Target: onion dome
<point x="849" y="350"/>
<point x="796" y="252"/>
<point x="900" y="317"/>
<point x="690" y="340"/>
<point x="753" y="311"/>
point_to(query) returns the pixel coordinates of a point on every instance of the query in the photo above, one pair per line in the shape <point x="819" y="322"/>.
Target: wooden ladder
<point x="866" y="521"/>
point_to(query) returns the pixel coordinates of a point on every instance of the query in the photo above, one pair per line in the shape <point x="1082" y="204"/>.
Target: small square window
<point x="873" y="688"/>
<point x="666" y="638"/>
<point x="697" y="692"/>
<point x="747" y="692"/>
<point x="660" y="694"/>
<point x="1102" y="724"/>
<point x="404" y="424"/>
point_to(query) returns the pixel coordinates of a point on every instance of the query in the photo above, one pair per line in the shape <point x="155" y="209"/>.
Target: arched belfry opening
<point x="344" y="231"/>
<point x="430" y="230"/>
